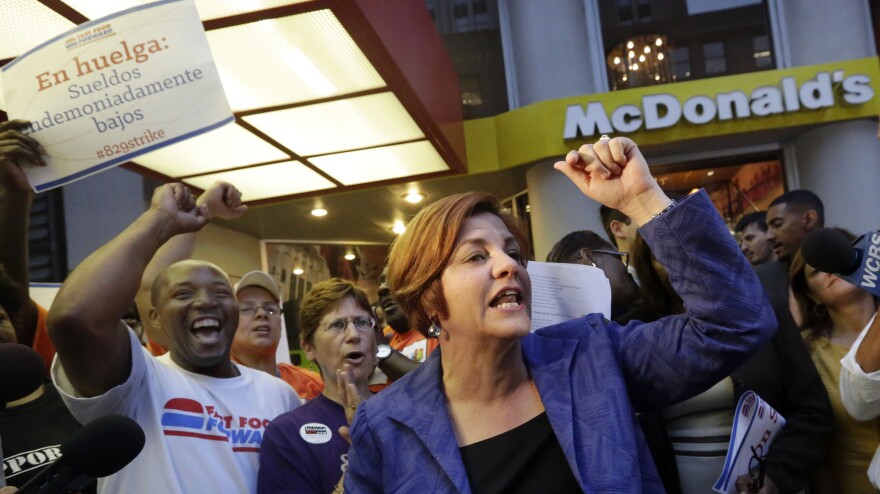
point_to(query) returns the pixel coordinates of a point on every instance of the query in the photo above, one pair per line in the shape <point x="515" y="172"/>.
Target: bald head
<point x="194" y="305"/>
<point x="160" y="284"/>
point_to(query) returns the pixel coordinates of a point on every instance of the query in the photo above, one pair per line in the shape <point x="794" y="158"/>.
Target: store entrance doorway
<point x="737" y="187"/>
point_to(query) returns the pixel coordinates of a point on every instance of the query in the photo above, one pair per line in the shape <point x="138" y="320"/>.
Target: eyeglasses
<point x="251" y="309"/>
<point x="757" y="466"/>
<point x="360" y="323"/>
<point x="623" y="256"/>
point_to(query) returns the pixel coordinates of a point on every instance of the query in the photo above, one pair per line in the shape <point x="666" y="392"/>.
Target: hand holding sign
<point x="115" y="88"/>
<point x="17" y="152"/>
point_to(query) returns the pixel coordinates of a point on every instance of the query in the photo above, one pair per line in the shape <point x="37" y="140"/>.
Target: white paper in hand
<point x="562" y="292"/>
<point x="755" y="425"/>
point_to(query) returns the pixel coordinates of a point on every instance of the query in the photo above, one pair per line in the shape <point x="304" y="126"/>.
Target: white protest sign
<point x="115" y="88"/>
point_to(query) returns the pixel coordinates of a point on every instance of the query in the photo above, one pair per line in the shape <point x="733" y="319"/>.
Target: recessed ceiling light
<point x="319" y="212"/>
<point x="398" y="227"/>
<point x="349" y="257"/>
<point x="297" y="271"/>
<point x="710" y="173"/>
<point x="414" y="197"/>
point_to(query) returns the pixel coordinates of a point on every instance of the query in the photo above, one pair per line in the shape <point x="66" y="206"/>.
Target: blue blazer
<point x="591" y="374"/>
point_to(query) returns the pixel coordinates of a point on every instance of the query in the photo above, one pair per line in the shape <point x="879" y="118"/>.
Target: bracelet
<point x="664" y="210"/>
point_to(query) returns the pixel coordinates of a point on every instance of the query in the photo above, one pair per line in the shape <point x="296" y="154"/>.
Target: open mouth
<point x="507" y="299"/>
<point x="206" y="330"/>
<point x="354" y="358"/>
<point x="262" y="329"/>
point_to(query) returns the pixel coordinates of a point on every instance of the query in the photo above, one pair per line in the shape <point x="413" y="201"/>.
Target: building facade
<point x="746" y="98"/>
<point x="767" y="95"/>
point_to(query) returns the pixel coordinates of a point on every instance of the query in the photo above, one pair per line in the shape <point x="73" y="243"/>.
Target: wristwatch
<point x="383" y="351"/>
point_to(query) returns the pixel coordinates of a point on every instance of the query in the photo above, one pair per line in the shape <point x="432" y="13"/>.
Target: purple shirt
<point x="302" y="450"/>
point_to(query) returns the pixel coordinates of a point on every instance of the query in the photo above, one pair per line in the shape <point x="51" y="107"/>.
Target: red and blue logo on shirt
<point x="188" y="418"/>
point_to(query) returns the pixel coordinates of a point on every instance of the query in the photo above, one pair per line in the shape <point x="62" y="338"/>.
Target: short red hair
<point x="419" y="255"/>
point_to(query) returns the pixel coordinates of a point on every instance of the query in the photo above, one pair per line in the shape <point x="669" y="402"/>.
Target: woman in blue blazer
<point x="500" y="409"/>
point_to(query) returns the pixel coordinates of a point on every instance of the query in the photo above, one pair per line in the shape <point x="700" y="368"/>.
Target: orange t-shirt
<point x="306" y="383"/>
<point x="42" y="344"/>
<point x="154" y="348"/>
<point x="413" y="344"/>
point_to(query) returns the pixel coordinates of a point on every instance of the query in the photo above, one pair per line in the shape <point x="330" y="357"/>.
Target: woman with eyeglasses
<point x="306" y="450"/>
<point x="497" y="408"/>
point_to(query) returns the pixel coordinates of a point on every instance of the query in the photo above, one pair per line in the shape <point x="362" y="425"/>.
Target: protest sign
<point x="115" y="88"/>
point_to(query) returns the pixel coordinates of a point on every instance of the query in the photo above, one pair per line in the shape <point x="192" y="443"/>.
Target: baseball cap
<point x="259" y="279"/>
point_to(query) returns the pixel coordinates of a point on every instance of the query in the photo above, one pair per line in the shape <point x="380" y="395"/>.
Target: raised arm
<point x="613" y="172"/>
<point x="868" y="353"/>
<point x="727" y="314"/>
<point x="16" y="195"/>
<point x="84" y="321"/>
<point x="220" y="200"/>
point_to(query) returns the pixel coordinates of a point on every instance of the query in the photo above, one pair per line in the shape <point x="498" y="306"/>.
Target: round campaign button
<point x="315" y="433"/>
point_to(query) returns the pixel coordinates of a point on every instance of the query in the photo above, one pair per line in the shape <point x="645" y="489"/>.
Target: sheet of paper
<point x="562" y="292"/>
<point x="755" y="425"/>
<point x="114" y="88"/>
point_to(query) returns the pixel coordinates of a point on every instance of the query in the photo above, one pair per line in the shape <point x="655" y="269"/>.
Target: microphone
<point x="858" y="262"/>
<point x="101" y="448"/>
<point x="21" y="372"/>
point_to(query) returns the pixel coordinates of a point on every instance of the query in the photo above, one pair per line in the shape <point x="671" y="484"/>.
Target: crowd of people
<point x="452" y="391"/>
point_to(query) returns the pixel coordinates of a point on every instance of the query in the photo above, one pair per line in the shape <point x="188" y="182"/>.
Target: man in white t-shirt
<point x="203" y="416"/>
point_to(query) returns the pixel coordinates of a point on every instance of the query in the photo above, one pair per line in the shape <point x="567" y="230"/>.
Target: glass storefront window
<point x="736" y="186"/>
<point x="701" y="38"/>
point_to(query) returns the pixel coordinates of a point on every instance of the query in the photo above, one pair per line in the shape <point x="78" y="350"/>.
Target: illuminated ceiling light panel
<point x="264" y="182"/>
<point x="208" y="9"/>
<point x="229" y="146"/>
<point x="385" y="163"/>
<point x="355" y="123"/>
<point x="289" y="60"/>
<point x="414" y="197"/>
<point x="26" y="24"/>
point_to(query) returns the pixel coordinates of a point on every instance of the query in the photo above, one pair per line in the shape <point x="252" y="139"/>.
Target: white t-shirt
<point x="203" y="433"/>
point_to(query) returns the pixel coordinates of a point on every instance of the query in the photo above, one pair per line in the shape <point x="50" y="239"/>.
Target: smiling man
<point x="203" y="415"/>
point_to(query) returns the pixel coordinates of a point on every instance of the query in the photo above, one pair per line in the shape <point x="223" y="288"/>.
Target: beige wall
<point x="237" y="253"/>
